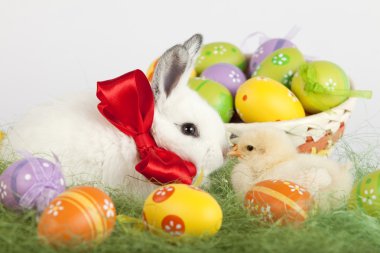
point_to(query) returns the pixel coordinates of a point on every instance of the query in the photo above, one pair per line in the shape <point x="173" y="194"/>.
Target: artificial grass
<point x="338" y="231"/>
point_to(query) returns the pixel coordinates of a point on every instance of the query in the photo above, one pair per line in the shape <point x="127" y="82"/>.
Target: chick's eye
<point x="189" y="129"/>
<point x="250" y="147"/>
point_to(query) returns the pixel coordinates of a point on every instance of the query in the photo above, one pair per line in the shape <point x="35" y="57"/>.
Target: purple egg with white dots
<point x="31" y="183"/>
<point x="227" y="74"/>
<point x="266" y="49"/>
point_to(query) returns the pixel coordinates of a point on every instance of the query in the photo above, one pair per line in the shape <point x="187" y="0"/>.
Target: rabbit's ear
<point x="193" y="45"/>
<point x="170" y="68"/>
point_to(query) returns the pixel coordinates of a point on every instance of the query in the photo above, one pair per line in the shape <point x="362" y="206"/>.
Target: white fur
<point x="93" y="150"/>
<point x="275" y="157"/>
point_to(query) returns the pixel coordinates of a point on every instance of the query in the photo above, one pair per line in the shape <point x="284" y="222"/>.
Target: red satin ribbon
<point x="128" y="103"/>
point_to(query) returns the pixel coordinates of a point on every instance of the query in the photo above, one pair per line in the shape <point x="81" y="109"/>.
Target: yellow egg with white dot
<point x="261" y="99"/>
<point x="178" y="210"/>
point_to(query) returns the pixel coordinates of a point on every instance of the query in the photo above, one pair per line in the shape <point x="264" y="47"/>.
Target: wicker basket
<point x="314" y="134"/>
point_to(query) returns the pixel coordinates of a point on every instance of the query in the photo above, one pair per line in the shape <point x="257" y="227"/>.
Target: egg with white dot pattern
<point x="281" y="65"/>
<point x="31" y="183"/>
<point x="266" y="49"/>
<point x="228" y="75"/>
<point x="365" y="194"/>
<point x="219" y="52"/>
<point x="319" y="86"/>
<point x="178" y="210"/>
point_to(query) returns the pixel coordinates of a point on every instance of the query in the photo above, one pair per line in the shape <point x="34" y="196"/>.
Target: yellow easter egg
<point x="261" y="99"/>
<point x="1" y="136"/>
<point x="179" y="209"/>
<point x="152" y="67"/>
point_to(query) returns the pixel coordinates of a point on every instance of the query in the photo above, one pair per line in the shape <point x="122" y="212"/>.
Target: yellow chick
<point x="268" y="153"/>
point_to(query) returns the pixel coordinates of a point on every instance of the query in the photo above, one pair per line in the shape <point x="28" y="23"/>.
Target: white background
<point x="49" y="48"/>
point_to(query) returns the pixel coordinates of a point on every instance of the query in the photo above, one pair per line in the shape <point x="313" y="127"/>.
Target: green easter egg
<point x="366" y="194"/>
<point x="320" y="85"/>
<point x="216" y="95"/>
<point x="219" y="52"/>
<point x="281" y="65"/>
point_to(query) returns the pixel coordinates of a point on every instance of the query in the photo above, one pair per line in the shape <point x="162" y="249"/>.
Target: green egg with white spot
<point x="281" y="65"/>
<point x="216" y="95"/>
<point x="320" y="86"/>
<point x="219" y="52"/>
<point x="365" y="194"/>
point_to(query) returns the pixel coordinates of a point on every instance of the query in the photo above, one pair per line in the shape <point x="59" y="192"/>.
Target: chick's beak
<point x="235" y="151"/>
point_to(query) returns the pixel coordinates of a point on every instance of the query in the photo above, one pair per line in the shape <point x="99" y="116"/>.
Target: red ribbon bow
<point x="128" y="103"/>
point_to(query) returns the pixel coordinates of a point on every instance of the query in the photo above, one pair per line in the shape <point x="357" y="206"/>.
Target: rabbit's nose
<point x="225" y="151"/>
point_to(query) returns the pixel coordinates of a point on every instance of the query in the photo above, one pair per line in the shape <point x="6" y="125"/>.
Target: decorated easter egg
<point x="281" y="65"/>
<point x="179" y="209"/>
<point x="152" y="67"/>
<point x="266" y="49"/>
<point x="320" y="85"/>
<point x="262" y="99"/>
<point x="219" y="52"/>
<point x="228" y="75"/>
<point x="278" y="201"/>
<point x="366" y="194"/>
<point x="216" y="95"/>
<point x="31" y="183"/>
<point x="82" y="214"/>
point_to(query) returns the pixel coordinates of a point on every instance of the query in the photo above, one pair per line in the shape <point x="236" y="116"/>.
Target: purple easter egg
<point x="227" y="74"/>
<point x="31" y="183"/>
<point x="266" y="49"/>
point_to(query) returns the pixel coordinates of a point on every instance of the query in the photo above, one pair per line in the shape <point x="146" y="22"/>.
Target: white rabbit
<point x="92" y="150"/>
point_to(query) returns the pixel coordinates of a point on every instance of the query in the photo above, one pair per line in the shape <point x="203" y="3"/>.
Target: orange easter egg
<point x="80" y="215"/>
<point x="279" y="200"/>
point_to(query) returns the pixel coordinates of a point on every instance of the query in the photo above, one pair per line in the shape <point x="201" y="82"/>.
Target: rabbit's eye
<point x="250" y="147"/>
<point x="190" y="129"/>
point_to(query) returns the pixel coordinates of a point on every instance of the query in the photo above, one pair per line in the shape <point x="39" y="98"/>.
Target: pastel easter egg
<point x="152" y="67"/>
<point x="179" y="210"/>
<point x="365" y="194"/>
<point x="216" y="95"/>
<point x="319" y="85"/>
<point x="279" y="201"/>
<point x="281" y="65"/>
<point x="262" y="99"/>
<point x="31" y="183"/>
<point x="82" y="214"/>
<point x="266" y="49"/>
<point x="219" y="52"/>
<point x="228" y="75"/>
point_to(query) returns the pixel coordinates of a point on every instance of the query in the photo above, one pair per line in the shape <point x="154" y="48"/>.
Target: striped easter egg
<point x="366" y="194"/>
<point x="278" y="201"/>
<point x="80" y="215"/>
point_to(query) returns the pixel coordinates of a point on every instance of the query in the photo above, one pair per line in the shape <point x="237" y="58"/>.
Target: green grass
<point x="338" y="231"/>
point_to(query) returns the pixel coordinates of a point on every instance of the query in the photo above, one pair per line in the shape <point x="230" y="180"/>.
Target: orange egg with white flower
<point x="279" y="201"/>
<point x="179" y="209"/>
<point x="79" y="215"/>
